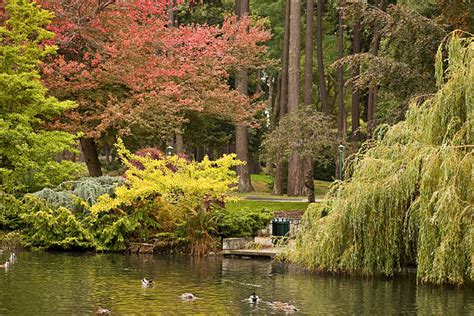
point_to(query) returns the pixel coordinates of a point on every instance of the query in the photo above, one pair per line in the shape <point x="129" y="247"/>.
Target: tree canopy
<point x="27" y="148"/>
<point x="410" y="195"/>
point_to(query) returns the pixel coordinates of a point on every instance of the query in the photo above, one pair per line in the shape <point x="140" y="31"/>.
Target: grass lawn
<point x="262" y="185"/>
<point x="273" y="206"/>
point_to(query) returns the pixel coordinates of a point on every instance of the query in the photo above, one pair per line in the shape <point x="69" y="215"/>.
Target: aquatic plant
<point x="410" y="196"/>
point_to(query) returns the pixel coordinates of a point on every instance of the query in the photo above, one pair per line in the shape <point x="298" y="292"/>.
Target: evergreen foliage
<point x="410" y="197"/>
<point x="27" y="150"/>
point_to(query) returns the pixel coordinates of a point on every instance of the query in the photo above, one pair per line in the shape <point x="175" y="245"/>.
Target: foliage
<point x="170" y="194"/>
<point x="73" y="194"/>
<point x="131" y="73"/>
<point x="9" y="210"/>
<point x="306" y="131"/>
<point x="27" y="150"/>
<point x="403" y="67"/>
<point x="53" y="227"/>
<point x="410" y="198"/>
<point x="243" y="222"/>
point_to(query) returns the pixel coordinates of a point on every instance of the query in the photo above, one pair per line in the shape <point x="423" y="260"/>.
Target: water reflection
<point x="53" y="283"/>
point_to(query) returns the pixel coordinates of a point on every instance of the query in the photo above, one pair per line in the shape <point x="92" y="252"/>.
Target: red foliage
<point x="126" y="68"/>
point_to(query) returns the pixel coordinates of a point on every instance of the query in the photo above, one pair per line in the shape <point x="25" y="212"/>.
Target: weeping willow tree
<point x="410" y="197"/>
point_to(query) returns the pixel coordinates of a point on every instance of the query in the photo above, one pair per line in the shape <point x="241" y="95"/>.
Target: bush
<point x="243" y="222"/>
<point x="167" y="195"/>
<point x="9" y="210"/>
<point x="171" y="197"/>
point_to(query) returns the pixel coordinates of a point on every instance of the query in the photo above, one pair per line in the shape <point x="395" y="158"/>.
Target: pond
<point x="63" y="284"/>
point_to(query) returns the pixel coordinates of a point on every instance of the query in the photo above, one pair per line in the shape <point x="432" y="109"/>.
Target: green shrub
<point x="243" y="222"/>
<point x="9" y="209"/>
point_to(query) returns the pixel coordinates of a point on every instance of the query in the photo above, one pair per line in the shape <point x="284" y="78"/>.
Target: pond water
<point x="64" y="284"/>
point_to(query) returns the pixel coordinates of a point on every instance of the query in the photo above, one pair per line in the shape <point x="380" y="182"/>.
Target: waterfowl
<point x="253" y="298"/>
<point x="6" y="265"/>
<point x="12" y="257"/>
<point x="102" y="311"/>
<point x="188" y="296"/>
<point x="147" y="282"/>
<point x="286" y="307"/>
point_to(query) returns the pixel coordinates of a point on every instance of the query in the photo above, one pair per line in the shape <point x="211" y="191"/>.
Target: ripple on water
<point x="58" y="283"/>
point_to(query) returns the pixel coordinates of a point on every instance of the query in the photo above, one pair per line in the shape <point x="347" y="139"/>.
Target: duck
<point x="13" y="257"/>
<point x="286" y="307"/>
<point x="6" y="265"/>
<point x="102" y="311"/>
<point x="147" y="282"/>
<point x="188" y="296"/>
<point x="253" y="298"/>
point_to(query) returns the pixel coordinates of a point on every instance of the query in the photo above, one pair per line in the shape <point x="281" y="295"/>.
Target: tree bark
<point x="179" y="144"/>
<point x="355" y="92"/>
<point x="295" y="165"/>
<point x="319" y="50"/>
<point x="285" y="55"/>
<point x="340" y="91"/>
<point x="91" y="156"/>
<point x="308" y="71"/>
<point x="280" y="167"/>
<point x="170" y="8"/>
<point x="372" y="99"/>
<point x="241" y="135"/>
<point x="309" y="181"/>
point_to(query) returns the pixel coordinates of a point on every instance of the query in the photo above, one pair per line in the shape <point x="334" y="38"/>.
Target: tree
<point x="241" y="133"/>
<point x="27" y="149"/>
<point x="295" y="169"/>
<point x="279" y="170"/>
<point x="410" y="198"/>
<point x="341" y="115"/>
<point x="130" y="72"/>
<point x="356" y="42"/>
<point x="315" y="132"/>
<point x="319" y="48"/>
<point x="308" y="59"/>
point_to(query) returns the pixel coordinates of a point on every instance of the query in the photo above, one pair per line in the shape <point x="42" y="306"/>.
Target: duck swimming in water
<point x="286" y="307"/>
<point x="188" y="297"/>
<point x="12" y="257"/>
<point x="6" y="265"/>
<point x="147" y="282"/>
<point x="253" y="298"/>
<point x="102" y="311"/>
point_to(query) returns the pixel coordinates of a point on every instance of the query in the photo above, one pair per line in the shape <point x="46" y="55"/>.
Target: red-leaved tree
<point x="128" y="71"/>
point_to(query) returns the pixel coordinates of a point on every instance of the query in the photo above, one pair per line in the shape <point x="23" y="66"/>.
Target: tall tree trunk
<point x="372" y="99"/>
<point x="241" y="134"/>
<point x="179" y="144"/>
<point x="308" y="93"/>
<point x="280" y="167"/>
<point x="340" y="92"/>
<point x="355" y="92"/>
<point x="319" y="50"/>
<point x="170" y="8"/>
<point x="309" y="180"/>
<point x="295" y="163"/>
<point x="91" y="156"/>
<point x="308" y="70"/>
<point x="274" y="101"/>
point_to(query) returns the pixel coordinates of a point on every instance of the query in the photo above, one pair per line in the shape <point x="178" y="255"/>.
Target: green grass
<point x="273" y="206"/>
<point x="262" y="185"/>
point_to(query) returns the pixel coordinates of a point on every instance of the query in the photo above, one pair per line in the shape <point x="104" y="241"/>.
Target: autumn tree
<point x="241" y="133"/>
<point x="130" y="72"/>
